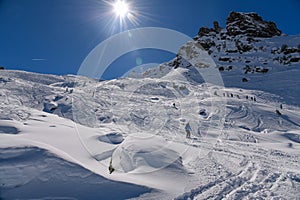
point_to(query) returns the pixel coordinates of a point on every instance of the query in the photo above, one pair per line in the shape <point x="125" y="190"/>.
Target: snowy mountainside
<point x="61" y="135"/>
<point x="237" y="137"/>
<point x="249" y="54"/>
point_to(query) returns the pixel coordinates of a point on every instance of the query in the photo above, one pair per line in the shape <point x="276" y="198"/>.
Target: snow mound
<point x="112" y="138"/>
<point x="140" y="153"/>
<point x="34" y="173"/>
<point x="7" y="127"/>
<point x="8" y="130"/>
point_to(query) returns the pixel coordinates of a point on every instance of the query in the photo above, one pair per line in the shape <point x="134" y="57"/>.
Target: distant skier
<point x="110" y="168"/>
<point x="174" y="106"/>
<point x="188" y="130"/>
<point x="278" y="113"/>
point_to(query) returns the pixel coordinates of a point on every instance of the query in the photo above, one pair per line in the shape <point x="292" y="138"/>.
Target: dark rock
<point x="284" y="47"/>
<point x="244" y="80"/>
<point x="217" y="28"/>
<point x="251" y="40"/>
<point x="231" y="51"/>
<point x="290" y="50"/>
<point x="1" y="68"/>
<point x="204" y="31"/>
<point x="224" y="59"/>
<point x="264" y="70"/>
<point x="177" y="62"/>
<point x="250" y="24"/>
<point x="207" y="44"/>
<point x="296" y="59"/>
<point x="247" y="69"/>
<point x="244" y="48"/>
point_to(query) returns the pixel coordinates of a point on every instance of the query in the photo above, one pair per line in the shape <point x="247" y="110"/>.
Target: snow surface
<point x="240" y="148"/>
<point x="60" y="135"/>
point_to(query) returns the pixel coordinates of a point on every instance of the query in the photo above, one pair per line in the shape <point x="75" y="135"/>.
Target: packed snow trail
<point x="240" y="149"/>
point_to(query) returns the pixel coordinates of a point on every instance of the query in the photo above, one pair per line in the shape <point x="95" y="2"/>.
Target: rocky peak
<point x="247" y="24"/>
<point x="244" y="47"/>
<point x="250" y="24"/>
<point x="207" y="31"/>
<point x="217" y="27"/>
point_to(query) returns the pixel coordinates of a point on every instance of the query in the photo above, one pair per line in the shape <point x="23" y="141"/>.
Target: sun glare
<point x="121" y="8"/>
<point x="125" y="14"/>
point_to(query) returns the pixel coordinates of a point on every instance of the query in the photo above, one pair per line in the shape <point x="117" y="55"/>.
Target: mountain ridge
<point x="243" y="59"/>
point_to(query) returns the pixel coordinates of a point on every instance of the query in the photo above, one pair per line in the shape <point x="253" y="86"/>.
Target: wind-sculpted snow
<point x="141" y="153"/>
<point x="66" y="134"/>
<point x="33" y="173"/>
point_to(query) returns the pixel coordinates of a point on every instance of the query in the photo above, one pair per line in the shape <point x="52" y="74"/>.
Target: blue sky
<point x="54" y="36"/>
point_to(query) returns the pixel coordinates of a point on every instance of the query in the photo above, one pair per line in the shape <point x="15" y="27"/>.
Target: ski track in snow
<point x="239" y="150"/>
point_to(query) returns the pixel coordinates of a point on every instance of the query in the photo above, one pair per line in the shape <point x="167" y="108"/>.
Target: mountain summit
<point x="250" y="24"/>
<point x="249" y="52"/>
<point x="247" y="24"/>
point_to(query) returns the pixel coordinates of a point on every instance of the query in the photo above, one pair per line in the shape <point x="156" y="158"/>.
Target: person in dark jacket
<point x="188" y="130"/>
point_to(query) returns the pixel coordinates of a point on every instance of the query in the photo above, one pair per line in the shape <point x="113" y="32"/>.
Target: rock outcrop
<point x="246" y="24"/>
<point x="250" y="24"/>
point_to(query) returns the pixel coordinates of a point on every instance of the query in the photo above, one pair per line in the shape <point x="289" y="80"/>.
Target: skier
<point x="110" y="168"/>
<point x="188" y="130"/>
<point x="174" y="106"/>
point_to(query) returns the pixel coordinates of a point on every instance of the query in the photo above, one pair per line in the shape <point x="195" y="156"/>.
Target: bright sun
<point x="121" y="8"/>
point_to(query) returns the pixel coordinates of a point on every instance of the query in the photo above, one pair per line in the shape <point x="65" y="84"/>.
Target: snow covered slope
<point x="242" y="149"/>
<point x="60" y="135"/>
<point x="249" y="54"/>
